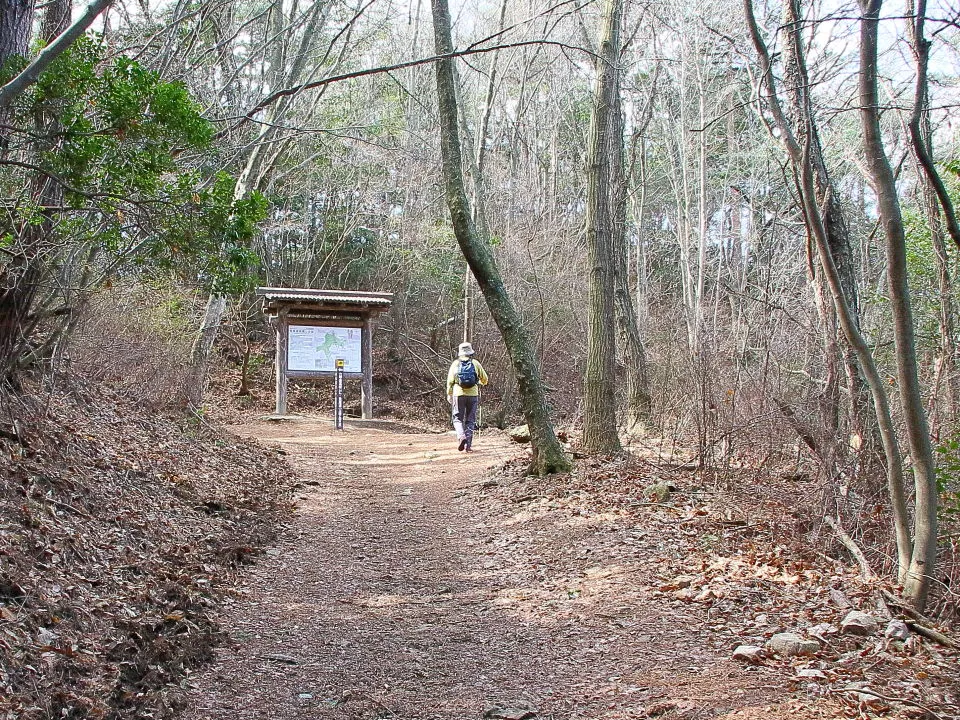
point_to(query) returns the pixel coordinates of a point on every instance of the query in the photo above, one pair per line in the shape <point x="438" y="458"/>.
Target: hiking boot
<point x="463" y="444"/>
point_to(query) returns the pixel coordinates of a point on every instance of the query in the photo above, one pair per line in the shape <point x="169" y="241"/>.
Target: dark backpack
<point x="467" y="375"/>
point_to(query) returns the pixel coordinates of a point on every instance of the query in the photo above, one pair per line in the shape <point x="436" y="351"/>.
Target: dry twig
<point x="865" y="570"/>
<point x="888" y="698"/>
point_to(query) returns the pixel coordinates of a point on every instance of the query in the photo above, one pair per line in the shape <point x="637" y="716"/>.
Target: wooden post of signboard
<point x="281" y="361"/>
<point x="366" y="365"/>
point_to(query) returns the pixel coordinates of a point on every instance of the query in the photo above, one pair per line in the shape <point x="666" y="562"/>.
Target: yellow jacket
<point x="454" y="389"/>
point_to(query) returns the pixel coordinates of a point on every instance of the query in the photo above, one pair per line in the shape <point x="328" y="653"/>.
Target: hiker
<point x="463" y="393"/>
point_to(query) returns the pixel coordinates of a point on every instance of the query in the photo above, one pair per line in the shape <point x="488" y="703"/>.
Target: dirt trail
<point x="392" y="595"/>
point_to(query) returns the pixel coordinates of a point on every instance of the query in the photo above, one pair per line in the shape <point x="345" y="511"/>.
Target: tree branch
<point x="296" y="89"/>
<point x="30" y="74"/>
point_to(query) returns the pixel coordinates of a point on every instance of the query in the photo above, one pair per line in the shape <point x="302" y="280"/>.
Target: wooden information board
<point x="315" y="328"/>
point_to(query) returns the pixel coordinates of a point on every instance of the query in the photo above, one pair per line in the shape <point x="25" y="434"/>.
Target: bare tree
<point x="636" y="412"/>
<point x="916" y="550"/>
<point x="262" y="155"/>
<point x="797" y="85"/>
<point x="803" y="172"/>
<point x="923" y="557"/>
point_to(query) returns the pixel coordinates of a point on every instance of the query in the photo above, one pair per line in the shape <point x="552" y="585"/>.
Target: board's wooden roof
<point x="276" y="296"/>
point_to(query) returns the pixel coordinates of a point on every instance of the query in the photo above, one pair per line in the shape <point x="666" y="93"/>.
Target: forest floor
<point x="417" y="582"/>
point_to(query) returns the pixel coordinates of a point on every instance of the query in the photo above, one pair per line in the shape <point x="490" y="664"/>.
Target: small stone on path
<point x="840" y="600"/>
<point x="897" y="630"/>
<point x="281" y="658"/>
<point x="748" y="653"/>
<point x="520" y="711"/>
<point x="657" y="492"/>
<point x="519" y="434"/>
<point x="790" y="644"/>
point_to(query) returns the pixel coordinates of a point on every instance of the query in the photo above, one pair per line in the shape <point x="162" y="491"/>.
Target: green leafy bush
<point x="109" y="170"/>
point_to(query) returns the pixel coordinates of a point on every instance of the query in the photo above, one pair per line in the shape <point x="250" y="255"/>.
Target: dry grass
<point x="138" y="340"/>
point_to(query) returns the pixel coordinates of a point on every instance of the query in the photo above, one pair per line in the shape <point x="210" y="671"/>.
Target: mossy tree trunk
<point x="548" y="456"/>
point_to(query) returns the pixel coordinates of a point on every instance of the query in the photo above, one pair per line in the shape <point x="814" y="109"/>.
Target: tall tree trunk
<point x="16" y="21"/>
<point x="548" y="456"/>
<point x="637" y="411"/>
<point x="599" y="398"/>
<point x="20" y="276"/>
<point x="923" y="559"/>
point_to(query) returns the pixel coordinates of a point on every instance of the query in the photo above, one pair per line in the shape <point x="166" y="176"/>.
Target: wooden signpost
<point x="324" y="334"/>
<point x="338" y="396"/>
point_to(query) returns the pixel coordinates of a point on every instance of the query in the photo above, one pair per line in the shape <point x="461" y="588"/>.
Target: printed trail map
<point x="316" y="349"/>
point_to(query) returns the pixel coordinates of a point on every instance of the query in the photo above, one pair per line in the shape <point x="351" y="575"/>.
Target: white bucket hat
<point x="465" y="349"/>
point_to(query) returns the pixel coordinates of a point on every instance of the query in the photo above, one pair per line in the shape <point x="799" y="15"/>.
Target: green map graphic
<point x="331" y="342"/>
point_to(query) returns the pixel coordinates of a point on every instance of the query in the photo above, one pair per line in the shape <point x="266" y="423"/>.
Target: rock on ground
<point x="790" y="644"/>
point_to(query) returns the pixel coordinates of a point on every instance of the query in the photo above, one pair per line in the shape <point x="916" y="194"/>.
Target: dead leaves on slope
<point x="120" y="533"/>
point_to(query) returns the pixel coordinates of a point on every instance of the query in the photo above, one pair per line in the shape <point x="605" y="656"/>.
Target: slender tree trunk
<point x="637" y="410"/>
<point x="202" y="347"/>
<point x="813" y="217"/>
<point x="923" y="559"/>
<point x="638" y="402"/>
<point x="944" y="383"/>
<point x="797" y="85"/>
<point x="599" y="399"/>
<point x="548" y="455"/>
<point x="829" y="401"/>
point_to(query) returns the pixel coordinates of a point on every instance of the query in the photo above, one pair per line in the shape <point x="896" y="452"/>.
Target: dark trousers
<point x="465" y="416"/>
